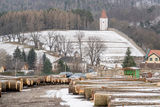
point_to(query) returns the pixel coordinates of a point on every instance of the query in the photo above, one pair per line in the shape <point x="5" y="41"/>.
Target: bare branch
<point x="94" y="49"/>
<point x="79" y="36"/>
<point x="50" y="40"/>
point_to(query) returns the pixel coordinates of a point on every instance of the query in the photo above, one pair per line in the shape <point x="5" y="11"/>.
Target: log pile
<point x="0" y="89"/>
<point x="9" y="83"/>
<point x="117" y="91"/>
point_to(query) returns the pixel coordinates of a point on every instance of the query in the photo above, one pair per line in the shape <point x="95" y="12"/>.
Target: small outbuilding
<point x="132" y="71"/>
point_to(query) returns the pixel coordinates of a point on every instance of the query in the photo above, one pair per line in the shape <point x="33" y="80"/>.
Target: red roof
<point x="157" y="52"/>
<point x="103" y="14"/>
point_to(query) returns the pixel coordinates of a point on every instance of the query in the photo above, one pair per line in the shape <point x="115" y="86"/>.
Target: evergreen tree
<point x="17" y="53"/>
<point x="47" y="67"/>
<point x="24" y="57"/>
<point x="44" y="57"/>
<point x="62" y="67"/>
<point x="128" y="60"/>
<point x="31" y="59"/>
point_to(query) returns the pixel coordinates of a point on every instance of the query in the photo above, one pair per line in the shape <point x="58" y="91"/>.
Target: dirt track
<point x="31" y="97"/>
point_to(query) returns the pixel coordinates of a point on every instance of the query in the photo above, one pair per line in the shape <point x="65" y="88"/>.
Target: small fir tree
<point x="128" y="60"/>
<point x="47" y="67"/>
<point x="31" y="59"/>
<point x="44" y="57"/>
<point x="24" y="57"/>
<point x="62" y="67"/>
<point x="17" y="53"/>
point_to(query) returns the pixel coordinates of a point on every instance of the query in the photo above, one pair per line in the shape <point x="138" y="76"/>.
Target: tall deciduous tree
<point x="80" y="36"/>
<point x="95" y="47"/>
<point x="50" y="40"/>
<point x="128" y="60"/>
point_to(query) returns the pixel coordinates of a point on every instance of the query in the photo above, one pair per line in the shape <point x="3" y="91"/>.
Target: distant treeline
<point x="34" y="20"/>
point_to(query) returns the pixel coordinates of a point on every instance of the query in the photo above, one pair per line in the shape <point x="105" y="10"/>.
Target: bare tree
<point x="9" y="37"/>
<point x="35" y="37"/>
<point x="64" y="46"/>
<point x="69" y="47"/>
<point x="94" y="48"/>
<point x="50" y="40"/>
<point x="3" y="55"/>
<point x="79" y="37"/>
<point x="57" y="47"/>
<point x="21" y="38"/>
<point x="13" y="37"/>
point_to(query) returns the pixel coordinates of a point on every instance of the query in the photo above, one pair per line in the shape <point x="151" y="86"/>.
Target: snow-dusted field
<point x="9" y="48"/>
<point x="116" y="45"/>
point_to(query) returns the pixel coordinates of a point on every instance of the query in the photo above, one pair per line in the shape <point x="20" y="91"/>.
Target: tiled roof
<point x="157" y="52"/>
<point x="103" y="15"/>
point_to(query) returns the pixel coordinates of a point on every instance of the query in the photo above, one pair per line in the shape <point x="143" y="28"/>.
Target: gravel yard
<point x="31" y="97"/>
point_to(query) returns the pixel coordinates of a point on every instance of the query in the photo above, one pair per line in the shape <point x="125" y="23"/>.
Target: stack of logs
<point x="113" y="92"/>
<point x="9" y="83"/>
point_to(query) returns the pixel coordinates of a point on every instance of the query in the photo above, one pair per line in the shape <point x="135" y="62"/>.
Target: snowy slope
<point x="9" y="48"/>
<point x="116" y="45"/>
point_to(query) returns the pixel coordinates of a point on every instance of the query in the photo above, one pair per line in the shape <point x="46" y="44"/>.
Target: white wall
<point x="103" y="23"/>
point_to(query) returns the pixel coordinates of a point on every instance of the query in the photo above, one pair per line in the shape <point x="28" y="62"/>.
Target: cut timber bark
<point x="19" y="86"/>
<point x="88" y="93"/>
<point x="64" y="80"/>
<point x="0" y="89"/>
<point x="13" y="85"/>
<point x="42" y="79"/>
<point x="5" y="85"/>
<point x="31" y="82"/>
<point x="0" y="92"/>
<point x="47" y="79"/>
<point x="26" y="82"/>
<point x="101" y="99"/>
<point x="36" y="81"/>
<point x="16" y="85"/>
<point x="158" y="84"/>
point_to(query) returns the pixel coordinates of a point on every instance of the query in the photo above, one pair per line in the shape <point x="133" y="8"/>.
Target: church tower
<point x="103" y="21"/>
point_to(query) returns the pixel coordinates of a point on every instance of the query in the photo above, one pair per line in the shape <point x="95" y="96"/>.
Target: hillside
<point x="115" y="45"/>
<point x="136" y="18"/>
<point x="10" y="48"/>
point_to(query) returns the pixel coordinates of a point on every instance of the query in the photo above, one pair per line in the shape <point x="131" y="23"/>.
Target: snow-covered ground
<point x="137" y="100"/>
<point x="68" y="99"/>
<point x="9" y="48"/>
<point x="115" y="44"/>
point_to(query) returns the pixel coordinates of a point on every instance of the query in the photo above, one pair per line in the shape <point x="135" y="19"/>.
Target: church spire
<point x="103" y="21"/>
<point x="103" y="14"/>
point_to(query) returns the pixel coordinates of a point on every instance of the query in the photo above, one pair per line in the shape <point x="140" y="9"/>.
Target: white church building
<point x="103" y="21"/>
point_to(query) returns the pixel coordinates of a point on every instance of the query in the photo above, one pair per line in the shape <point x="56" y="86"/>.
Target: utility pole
<point x="65" y="66"/>
<point x="15" y="67"/>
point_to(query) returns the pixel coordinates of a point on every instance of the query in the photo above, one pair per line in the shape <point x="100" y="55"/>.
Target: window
<point x="156" y="59"/>
<point x="150" y="59"/>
